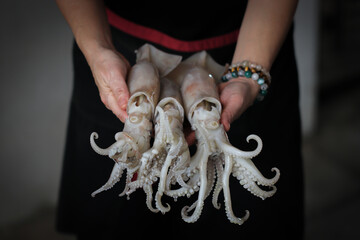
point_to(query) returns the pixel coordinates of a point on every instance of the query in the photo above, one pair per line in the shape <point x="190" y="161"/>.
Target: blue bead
<point x="224" y="79"/>
<point x="261" y="81"/>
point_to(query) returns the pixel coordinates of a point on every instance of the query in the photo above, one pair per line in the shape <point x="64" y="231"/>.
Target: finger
<point x="113" y="105"/>
<point x="221" y="86"/>
<point x="190" y="138"/>
<point x="121" y="93"/>
<point x="226" y="120"/>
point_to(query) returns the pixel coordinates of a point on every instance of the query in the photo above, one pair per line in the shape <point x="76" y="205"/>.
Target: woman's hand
<point x="236" y="96"/>
<point x="109" y="69"/>
<point x="88" y="22"/>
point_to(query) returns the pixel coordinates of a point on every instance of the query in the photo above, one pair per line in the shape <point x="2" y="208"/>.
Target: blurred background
<point x="35" y="87"/>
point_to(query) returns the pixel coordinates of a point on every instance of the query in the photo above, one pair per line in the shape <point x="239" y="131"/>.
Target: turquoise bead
<point x="226" y="77"/>
<point x="261" y="81"/>
<point x="234" y="74"/>
<point x="248" y="74"/>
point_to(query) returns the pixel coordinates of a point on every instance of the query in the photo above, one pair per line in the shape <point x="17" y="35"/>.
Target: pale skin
<point x="263" y="30"/>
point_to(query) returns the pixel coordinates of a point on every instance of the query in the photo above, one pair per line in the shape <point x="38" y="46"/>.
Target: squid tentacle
<point x="247" y="167"/>
<point x="127" y="184"/>
<point x="148" y="190"/>
<point x="218" y="186"/>
<point x="227" y="148"/>
<point x="161" y="187"/>
<point x="202" y="192"/>
<point x="177" y="171"/>
<point x="115" y="177"/>
<point x="227" y="197"/>
<point x="96" y="148"/>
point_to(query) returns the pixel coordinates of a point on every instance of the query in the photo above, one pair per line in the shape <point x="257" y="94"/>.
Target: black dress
<point x="275" y="120"/>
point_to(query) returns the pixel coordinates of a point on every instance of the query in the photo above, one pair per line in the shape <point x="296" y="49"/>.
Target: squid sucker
<point x="164" y="91"/>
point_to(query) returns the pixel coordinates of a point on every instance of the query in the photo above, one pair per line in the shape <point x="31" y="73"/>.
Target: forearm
<point x="264" y="27"/>
<point x="88" y="22"/>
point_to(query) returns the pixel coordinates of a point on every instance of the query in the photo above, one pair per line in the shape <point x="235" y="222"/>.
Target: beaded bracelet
<point x="250" y="70"/>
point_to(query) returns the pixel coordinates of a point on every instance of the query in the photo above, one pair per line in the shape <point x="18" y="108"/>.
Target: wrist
<point x="92" y="49"/>
<point x="252" y="73"/>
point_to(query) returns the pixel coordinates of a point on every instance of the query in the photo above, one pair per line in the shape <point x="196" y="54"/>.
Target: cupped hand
<point x="109" y="69"/>
<point x="236" y="96"/>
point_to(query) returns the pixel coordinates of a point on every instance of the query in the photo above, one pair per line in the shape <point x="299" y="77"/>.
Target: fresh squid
<point x="134" y="140"/>
<point x="215" y="158"/>
<point x="167" y="158"/>
<point x="187" y="88"/>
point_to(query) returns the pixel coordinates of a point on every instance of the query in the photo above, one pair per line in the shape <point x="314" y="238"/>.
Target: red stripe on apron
<point x="164" y="40"/>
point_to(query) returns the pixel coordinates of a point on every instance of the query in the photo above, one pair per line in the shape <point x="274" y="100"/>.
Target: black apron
<point x="275" y="120"/>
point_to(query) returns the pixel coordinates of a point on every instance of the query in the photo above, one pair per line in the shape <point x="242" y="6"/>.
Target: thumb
<point x="226" y="119"/>
<point x="121" y="93"/>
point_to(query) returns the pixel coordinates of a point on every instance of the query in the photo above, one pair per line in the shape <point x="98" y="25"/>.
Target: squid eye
<point x="135" y="118"/>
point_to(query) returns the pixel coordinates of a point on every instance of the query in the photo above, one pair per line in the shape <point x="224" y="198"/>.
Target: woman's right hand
<point x="110" y="69"/>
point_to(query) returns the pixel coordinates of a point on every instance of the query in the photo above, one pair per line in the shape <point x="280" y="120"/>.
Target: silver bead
<point x="255" y="76"/>
<point x="241" y="73"/>
<point x="228" y="76"/>
<point x="264" y="86"/>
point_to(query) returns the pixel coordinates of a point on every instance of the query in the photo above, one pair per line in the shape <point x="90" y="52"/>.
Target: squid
<point x="215" y="158"/>
<point x="166" y="161"/>
<point x="144" y="87"/>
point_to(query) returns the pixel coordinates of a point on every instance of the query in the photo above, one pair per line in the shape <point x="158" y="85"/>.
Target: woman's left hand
<point x="236" y="96"/>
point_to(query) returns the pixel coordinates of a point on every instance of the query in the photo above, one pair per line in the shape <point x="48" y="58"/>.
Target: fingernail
<point x="226" y="126"/>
